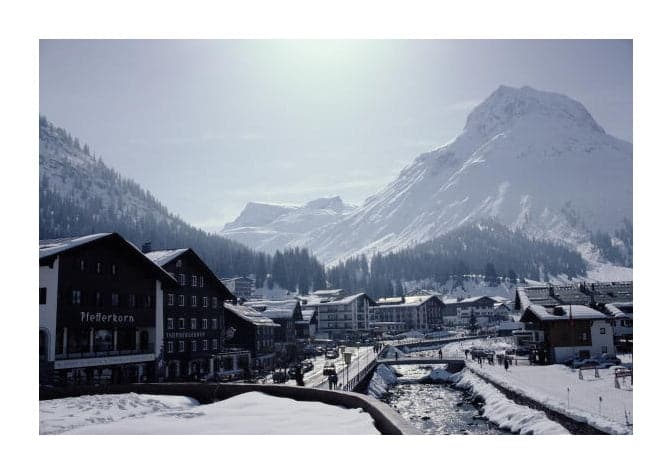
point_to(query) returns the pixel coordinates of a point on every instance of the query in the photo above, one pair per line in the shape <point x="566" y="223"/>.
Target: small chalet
<point x="249" y="329"/>
<point x="286" y="314"/>
<point x="566" y="332"/>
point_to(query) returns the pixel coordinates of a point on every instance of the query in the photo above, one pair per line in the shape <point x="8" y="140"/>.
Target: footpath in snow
<point x="249" y="413"/>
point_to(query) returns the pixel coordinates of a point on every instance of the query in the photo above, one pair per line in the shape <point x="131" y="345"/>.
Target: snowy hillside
<point x="68" y="169"/>
<point x="533" y="160"/>
<point x="271" y="227"/>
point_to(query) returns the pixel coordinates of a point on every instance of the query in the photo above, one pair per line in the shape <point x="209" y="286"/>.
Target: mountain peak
<point x="508" y="105"/>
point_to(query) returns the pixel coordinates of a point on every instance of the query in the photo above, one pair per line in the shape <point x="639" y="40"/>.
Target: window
<point x="205" y="344"/>
<point x="113" y="269"/>
<point x="200" y="281"/>
<point x="214" y="302"/>
<point x="194" y="280"/>
<point x="178" y="263"/>
<point x="603" y="330"/>
<point x="205" y="301"/>
<point x="148" y="301"/>
<point x="76" y="296"/>
<point x="180" y="323"/>
<point x="99" y="268"/>
<point x="213" y="323"/>
<point x="169" y="346"/>
<point x="99" y="299"/>
<point x="180" y="300"/>
<point x="214" y="344"/>
<point x="43" y="296"/>
<point x="194" y="301"/>
<point x="181" y="279"/>
<point x="171" y="299"/>
<point x="180" y="345"/>
<point x="82" y="265"/>
<point x="131" y="300"/>
<point x="604" y="349"/>
<point x="194" y="323"/>
<point x="169" y="324"/>
<point x="115" y="299"/>
<point x="194" y="346"/>
<point x="204" y="323"/>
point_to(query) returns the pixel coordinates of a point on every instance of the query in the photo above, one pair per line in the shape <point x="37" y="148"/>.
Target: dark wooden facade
<point x="193" y="316"/>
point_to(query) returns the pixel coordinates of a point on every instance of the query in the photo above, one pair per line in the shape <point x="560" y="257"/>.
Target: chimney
<point x="147" y="247"/>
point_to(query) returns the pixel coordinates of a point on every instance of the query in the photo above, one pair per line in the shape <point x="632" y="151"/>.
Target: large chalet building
<point x="101" y="311"/>
<point x="194" y="343"/>
<point x="342" y="317"/>
<point x="423" y="312"/>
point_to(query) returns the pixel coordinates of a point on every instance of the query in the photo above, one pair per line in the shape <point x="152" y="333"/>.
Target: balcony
<point x="149" y="349"/>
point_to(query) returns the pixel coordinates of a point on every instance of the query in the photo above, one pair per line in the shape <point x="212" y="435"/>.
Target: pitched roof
<point x="561" y="312"/>
<point x="164" y="257"/>
<point x="161" y="257"/>
<point x="250" y="314"/>
<point x="274" y="309"/>
<point x="347" y="300"/>
<point x="53" y="247"/>
<point x="49" y="247"/>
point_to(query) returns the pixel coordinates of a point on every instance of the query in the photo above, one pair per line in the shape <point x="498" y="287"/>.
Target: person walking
<point x="440" y="354"/>
<point x="506" y="364"/>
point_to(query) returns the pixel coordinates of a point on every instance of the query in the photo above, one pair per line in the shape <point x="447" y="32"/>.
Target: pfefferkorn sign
<point x="87" y="317"/>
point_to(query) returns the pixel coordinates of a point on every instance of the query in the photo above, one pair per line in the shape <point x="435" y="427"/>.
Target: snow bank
<point x="65" y="414"/>
<point x="391" y="351"/>
<point x="382" y="379"/>
<point x="549" y="386"/>
<point x="439" y="376"/>
<point x="249" y="413"/>
<point x="505" y="413"/>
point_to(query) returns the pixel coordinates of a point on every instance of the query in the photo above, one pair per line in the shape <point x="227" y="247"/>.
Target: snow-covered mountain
<point x="271" y="227"/>
<point x="533" y="160"/>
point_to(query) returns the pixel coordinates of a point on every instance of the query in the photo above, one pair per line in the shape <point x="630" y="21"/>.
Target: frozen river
<point x="435" y="408"/>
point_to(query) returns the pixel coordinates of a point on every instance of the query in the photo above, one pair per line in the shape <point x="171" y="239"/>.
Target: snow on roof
<point x="161" y="257"/>
<point x="274" y="309"/>
<point x="449" y="300"/>
<point x="473" y="299"/>
<point x="562" y="312"/>
<point x="407" y="302"/>
<point x="619" y="309"/>
<point x="250" y="314"/>
<point x="334" y="292"/>
<point x="346" y="299"/>
<point x="51" y="247"/>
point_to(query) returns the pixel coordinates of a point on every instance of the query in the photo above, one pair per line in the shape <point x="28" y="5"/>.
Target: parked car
<point x="607" y="361"/>
<point x="307" y="365"/>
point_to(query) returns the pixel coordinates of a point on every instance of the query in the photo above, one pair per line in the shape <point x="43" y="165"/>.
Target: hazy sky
<point x="207" y="126"/>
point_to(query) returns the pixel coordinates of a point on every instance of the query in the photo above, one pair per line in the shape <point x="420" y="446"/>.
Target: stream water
<point x="435" y="408"/>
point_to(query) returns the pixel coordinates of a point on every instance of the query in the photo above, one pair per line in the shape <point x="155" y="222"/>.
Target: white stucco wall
<point x="49" y="280"/>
